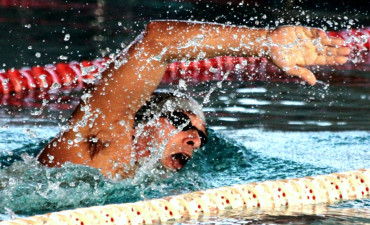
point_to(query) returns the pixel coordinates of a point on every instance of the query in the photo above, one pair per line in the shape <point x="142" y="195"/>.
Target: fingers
<point x="329" y="60"/>
<point x="334" y="41"/>
<point x="333" y="51"/>
<point x="303" y="73"/>
<point x="309" y="32"/>
<point x="325" y="40"/>
<point x="331" y="55"/>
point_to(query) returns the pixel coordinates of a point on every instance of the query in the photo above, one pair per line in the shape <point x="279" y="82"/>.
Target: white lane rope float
<point x="268" y="195"/>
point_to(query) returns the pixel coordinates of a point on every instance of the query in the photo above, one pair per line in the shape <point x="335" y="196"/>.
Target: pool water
<point x="257" y="130"/>
<point x="257" y="133"/>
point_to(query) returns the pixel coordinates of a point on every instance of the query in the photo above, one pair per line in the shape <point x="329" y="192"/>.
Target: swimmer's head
<point x="174" y="119"/>
<point x="163" y="102"/>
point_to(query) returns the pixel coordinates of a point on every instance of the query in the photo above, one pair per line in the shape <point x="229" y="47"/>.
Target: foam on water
<point x="234" y="155"/>
<point x="27" y="188"/>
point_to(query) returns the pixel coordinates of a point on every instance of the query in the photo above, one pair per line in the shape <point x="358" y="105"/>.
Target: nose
<point x="192" y="139"/>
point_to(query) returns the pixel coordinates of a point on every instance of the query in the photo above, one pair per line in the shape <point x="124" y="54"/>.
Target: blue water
<point x="28" y="188"/>
<point x="240" y="150"/>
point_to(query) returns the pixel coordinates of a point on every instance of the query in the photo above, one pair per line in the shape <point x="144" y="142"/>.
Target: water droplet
<point x="182" y="84"/>
<point x="67" y="37"/>
<point x="43" y="78"/>
<point x="63" y="57"/>
<point x="5" y="83"/>
<point x="87" y="70"/>
<point x="201" y="55"/>
<point x="55" y="85"/>
<point x="85" y="97"/>
<point x="213" y="70"/>
<point x="36" y="112"/>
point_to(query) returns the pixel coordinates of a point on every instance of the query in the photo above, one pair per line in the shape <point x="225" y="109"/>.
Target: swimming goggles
<point x="179" y="119"/>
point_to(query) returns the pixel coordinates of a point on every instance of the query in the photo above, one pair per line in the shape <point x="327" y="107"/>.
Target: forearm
<point x="126" y="88"/>
<point x="196" y="41"/>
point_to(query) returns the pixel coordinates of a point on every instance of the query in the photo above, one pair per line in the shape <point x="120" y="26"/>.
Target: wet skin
<point x="102" y="138"/>
<point x="180" y="145"/>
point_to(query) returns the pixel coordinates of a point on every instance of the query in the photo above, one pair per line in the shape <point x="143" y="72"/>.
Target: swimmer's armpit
<point x="95" y="145"/>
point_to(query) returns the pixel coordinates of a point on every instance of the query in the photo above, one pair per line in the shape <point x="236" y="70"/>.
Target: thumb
<point x="303" y="73"/>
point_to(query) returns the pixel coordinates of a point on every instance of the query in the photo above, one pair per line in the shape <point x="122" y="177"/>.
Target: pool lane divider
<point x="77" y="74"/>
<point x="273" y="196"/>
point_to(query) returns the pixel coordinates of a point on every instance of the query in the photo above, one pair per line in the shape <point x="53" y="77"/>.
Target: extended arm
<point x="103" y="122"/>
<point x="128" y="87"/>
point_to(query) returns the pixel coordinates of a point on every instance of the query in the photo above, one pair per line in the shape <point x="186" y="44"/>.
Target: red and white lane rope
<point x="75" y="74"/>
<point x="277" y="195"/>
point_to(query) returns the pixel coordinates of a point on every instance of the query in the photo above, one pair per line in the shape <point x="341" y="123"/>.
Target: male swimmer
<point x="120" y="120"/>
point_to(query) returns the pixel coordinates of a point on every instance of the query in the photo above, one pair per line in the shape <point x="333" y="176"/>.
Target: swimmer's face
<point x="181" y="142"/>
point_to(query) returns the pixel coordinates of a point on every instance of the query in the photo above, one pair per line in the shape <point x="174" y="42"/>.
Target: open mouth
<point x="179" y="160"/>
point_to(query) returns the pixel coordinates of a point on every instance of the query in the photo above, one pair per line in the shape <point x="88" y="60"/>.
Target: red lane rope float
<point x="75" y="74"/>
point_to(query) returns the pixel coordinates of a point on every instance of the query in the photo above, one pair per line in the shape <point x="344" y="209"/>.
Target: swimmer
<point x="122" y="119"/>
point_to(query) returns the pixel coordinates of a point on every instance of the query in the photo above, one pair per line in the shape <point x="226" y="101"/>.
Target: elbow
<point x="156" y="38"/>
<point x="149" y="37"/>
<point x="153" y="25"/>
<point x="154" y="30"/>
<point x="158" y="25"/>
<point x="162" y="30"/>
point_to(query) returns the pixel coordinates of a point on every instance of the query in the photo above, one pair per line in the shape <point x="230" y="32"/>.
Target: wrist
<point x="256" y="42"/>
<point x="265" y="44"/>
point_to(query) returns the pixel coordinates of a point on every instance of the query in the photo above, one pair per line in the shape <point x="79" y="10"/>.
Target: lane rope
<point x="78" y="74"/>
<point x="268" y="195"/>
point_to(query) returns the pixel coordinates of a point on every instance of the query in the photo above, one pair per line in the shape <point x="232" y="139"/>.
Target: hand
<point x="293" y="47"/>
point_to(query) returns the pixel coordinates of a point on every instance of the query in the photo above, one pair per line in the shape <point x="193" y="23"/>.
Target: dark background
<point x="32" y="32"/>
